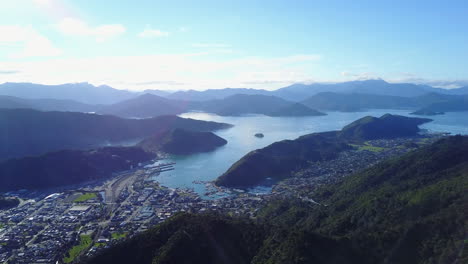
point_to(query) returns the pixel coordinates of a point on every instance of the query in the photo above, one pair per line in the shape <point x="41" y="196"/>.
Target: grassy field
<point x="85" y="242"/>
<point x="118" y="235"/>
<point x="85" y="197"/>
<point x="368" y="147"/>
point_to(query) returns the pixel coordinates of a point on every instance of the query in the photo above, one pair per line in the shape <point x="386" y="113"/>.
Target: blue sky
<point x="215" y="44"/>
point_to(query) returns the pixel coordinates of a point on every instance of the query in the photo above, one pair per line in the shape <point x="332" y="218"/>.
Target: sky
<point x="179" y="45"/>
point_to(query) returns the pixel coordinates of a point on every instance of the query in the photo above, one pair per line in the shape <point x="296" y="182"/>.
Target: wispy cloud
<point x="153" y="33"/>
<point x="8" y="72"/>
<point x="170" y="71"/>
<point x="31" y="42"/>
<point x="76" y="27"/>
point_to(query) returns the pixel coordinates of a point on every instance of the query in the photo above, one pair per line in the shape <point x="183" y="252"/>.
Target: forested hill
<point x="68" y="167"/>
<point x="280" y="159"/>
<point x="182" y="142"/>
<point x="407" y="210"/>
<point x="26" y="132"/>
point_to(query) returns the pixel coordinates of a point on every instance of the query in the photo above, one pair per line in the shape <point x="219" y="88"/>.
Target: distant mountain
<point x="182" y="142"/>
<point x="29" y="132"/>
<point x="278" y="160"/>
<point x="144" y="106"/>
<point x="409" y="210"/>
<point x="81" y="92"/>
<point x="241" y="104"/>
<point x="212" y="94"/>
<point x="387" y="126"/>
<point x="68" y="167"/>
<point x="455" y="104"/>
<point x="329" y="101"/>
<point x="295" y="109"/>
<point x="297" y="92"/>
<point x="157" y="92"/>
<point x="12" y="102"/>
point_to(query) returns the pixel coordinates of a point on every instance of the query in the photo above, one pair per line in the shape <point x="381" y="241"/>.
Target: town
<point x="63" y="226"/>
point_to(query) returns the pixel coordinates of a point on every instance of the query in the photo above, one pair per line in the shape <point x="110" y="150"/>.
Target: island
<point x="182" y="142"/>
<point x="280" y="159"/>
<point x="259" y="135"/>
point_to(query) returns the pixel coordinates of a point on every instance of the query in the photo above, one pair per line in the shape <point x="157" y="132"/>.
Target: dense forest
<point x="410" y="209"/>
<point x="68" y="167"/>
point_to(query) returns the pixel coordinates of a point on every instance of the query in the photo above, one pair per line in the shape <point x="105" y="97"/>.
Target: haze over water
<point x="241" y="139"/>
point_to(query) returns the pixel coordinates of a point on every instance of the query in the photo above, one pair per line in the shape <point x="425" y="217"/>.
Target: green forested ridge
<point x="410" y="209"/>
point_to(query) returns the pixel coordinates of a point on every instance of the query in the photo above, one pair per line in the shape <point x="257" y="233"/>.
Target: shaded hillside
<point x="68" y="167"/>
<point x="241" y="104"/>
<point x="215" y="239"/>
<point x="182" y="142"/>
<point x="457" y="104"/>
<point x="28" y="132"/>
<point x="359" y="102"/>
<point x="278" y="160"/>
<point x="144" y="106"/>
<point x="7" y="203"/>
<point x="81" y="92"/>
<point x="296" y="109"/>
<point x="11" y="102"/>
<point x="386" y="126"/>
<point x="408" y="210"/>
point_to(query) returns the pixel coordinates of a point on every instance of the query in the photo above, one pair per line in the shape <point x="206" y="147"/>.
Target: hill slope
<point x="182" y="142"/>
<point x="144" y="106"/>
<point x="240" y="104"/>
<point x="81" y="92"/>
<point x="280" y="159"/>
<point x="406" y="210"/>
<point x="386" y="126"/>
<point x="11" y="102"/>
<point x="68" y="167"/>
<point x="296" y="109"/>
<point x="28" y="132"/>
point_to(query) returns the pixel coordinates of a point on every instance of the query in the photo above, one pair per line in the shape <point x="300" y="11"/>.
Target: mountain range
<point x="312" y="98"/>
<point x="26" y="132"/>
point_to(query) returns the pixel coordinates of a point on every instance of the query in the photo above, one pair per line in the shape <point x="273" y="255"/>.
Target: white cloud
<point x="32" y="43"/>
<point x="76" y="27"/>
<point x="153" y="33"/>
<point x="171" y="71"/>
